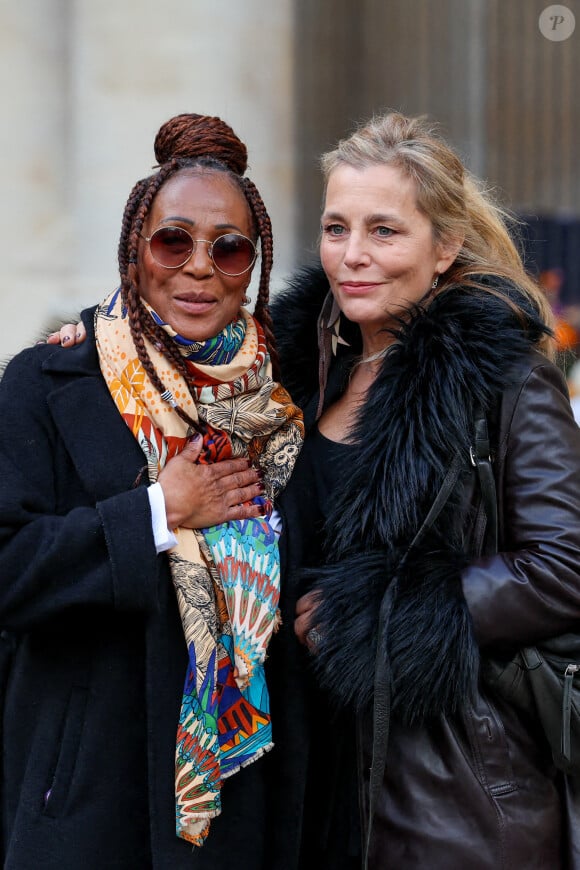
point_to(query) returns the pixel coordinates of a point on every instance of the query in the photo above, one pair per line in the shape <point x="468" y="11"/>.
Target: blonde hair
<point x="455" y="201"/>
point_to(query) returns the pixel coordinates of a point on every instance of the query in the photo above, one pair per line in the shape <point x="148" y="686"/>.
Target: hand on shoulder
<point x="68" y="335"/>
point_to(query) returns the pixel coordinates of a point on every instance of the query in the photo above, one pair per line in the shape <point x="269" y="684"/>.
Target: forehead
<point x="372" y="189"/>
<point x="203" y="197"/>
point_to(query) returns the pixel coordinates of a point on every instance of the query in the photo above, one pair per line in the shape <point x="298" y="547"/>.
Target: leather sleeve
<point x="531" y="589"/>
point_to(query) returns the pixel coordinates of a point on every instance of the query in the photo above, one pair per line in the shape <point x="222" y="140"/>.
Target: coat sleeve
<point x="60" y="547"/>
<point x="531" y="590"/>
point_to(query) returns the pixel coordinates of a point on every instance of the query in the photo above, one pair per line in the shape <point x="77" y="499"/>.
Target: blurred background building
<point x="86" y="85"/>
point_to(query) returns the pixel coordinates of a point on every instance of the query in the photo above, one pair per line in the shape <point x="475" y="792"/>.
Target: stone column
<point x="34" y="153"/>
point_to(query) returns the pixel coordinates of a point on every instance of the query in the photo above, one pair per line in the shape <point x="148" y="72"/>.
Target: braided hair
<point x="189" y="141"/>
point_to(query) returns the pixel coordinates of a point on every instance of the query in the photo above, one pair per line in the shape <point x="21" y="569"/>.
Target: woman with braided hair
<point x="138" y="545"/>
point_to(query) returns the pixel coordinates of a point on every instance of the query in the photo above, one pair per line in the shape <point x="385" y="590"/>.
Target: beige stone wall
<point x="85" y="86"/>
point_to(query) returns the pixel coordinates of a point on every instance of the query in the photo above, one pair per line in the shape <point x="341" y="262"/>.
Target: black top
<point x="331" y="836"/>
<point x="320" y="463"/>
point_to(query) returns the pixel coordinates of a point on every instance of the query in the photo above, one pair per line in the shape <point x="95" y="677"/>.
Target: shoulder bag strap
<point x="382" y="677"/>
<point x="480" y="454"/>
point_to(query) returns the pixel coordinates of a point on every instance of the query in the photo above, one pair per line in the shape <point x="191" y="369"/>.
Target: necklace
<point x="365" y="363"/>
<point x="375" y="356"/>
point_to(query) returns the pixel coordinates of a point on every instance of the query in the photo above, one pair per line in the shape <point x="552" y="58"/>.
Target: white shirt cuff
<point x="276" y="522"/>
<point x="163" y="536"/>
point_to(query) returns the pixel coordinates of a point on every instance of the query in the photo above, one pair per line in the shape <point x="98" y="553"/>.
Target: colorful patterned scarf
<point x="214" y="351"/>
<point x="226" y="577"/>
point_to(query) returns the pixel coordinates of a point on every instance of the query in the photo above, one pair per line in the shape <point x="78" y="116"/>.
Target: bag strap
<point x="381" y="717"/>
<point x="440" y="500"/>
<point x="480" y="454"/>
<point x="382" y="676"/>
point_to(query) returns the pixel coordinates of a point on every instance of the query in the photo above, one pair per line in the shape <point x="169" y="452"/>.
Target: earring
<point x="435" y="282"/>
<point x="245" y="299"/>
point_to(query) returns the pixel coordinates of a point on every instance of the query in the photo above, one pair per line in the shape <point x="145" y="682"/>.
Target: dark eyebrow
<point x="177" y="219"/>
<point x="183" y="220"/>
<point x="228" y="227"/>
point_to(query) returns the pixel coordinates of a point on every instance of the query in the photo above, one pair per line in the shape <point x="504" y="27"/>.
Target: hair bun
<point x="189" y="136"/>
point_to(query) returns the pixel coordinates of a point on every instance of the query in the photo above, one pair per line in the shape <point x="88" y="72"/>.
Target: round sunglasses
<point x="171" y="247"/>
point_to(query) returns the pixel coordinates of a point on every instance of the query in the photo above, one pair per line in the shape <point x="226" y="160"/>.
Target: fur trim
<point x="294" y="310"/>
<point x="351" y="594"/>
<point x="430" y="643"/>
<point x="433" y="656"/>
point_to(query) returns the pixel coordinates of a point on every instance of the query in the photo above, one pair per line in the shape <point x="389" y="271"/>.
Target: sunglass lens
<point x="233" y="254"/>
<point x="171" y="246"/>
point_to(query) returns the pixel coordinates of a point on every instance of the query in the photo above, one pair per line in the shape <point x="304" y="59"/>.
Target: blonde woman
<point x="426" y="319"/>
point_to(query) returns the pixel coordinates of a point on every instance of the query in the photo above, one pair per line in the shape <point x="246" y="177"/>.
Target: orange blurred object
<point x="566" y="336"/>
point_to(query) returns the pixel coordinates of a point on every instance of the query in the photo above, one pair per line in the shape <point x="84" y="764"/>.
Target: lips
<point x="355" y="288"/>
<point x="192" y="304"/>
<point x="195" y="298"/>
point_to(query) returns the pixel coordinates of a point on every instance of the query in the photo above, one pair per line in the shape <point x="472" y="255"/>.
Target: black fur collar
<point x="461" y="351"/>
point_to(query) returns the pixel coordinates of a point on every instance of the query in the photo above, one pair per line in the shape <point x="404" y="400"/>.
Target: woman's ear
<point x="448" y="251"/>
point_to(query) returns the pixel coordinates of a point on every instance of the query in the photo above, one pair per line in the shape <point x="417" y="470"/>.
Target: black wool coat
<point x="467" y="782"/>
<point x="92" y="647"/>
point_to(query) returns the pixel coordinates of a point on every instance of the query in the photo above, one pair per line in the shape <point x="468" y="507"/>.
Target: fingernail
<point x="195" y="438"/>
<point x="78" y="335"/>
<point x="66" y="339"/>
